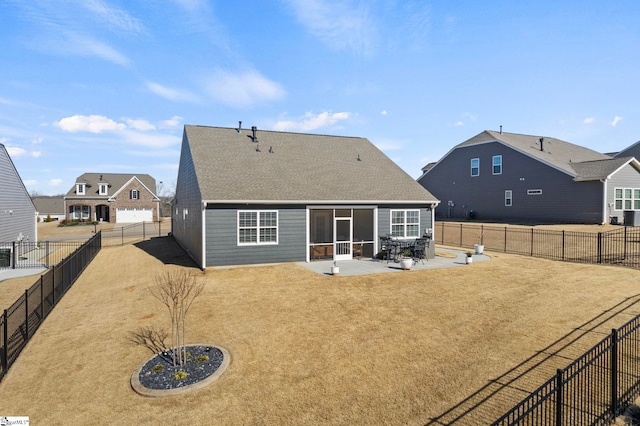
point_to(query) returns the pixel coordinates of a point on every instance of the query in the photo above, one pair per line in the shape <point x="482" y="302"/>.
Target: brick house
<point x="112" y="197"/>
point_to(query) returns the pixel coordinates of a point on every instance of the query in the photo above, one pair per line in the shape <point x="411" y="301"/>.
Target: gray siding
<point x="562" y="199"/>
<point x="627" y="177"/>
<point x="17" y="212"/>
<point x="187" y="210"/>
<point x="384" y="221"/>
<point x="222" y="236"/>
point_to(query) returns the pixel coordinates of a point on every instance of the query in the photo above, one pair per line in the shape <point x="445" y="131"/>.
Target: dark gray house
<point x="252" y="197"/>
<point x="17" y="212"/>
<point x="513" y="177"/>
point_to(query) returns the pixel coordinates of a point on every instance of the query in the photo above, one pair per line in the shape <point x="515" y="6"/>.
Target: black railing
<point x="19" y="322"/>
<point x="592" y="390"/>
<point x="33" y="255"/>
<point x="616" y="247"/>
<point x="134" y="233"/>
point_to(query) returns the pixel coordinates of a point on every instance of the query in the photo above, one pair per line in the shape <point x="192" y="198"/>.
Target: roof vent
<point x="239" y="129"/>
<point x="501" y="129"/>
<point x="541" y="144"/>
<point x="270" y="150"/>
<point x="253" y="137"/>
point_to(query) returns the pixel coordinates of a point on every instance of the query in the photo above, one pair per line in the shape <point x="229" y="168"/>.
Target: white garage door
<point x="134" y="215"/>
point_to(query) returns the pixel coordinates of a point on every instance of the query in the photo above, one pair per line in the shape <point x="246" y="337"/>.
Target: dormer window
<point x="134" y="194"/>
<point x="103" y="188"/>
<point x="80" y="188"/>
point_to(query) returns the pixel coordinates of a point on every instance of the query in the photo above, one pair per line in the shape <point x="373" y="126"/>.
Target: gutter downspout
<point x="604" y="201"/>
<point x="203" y="224"/>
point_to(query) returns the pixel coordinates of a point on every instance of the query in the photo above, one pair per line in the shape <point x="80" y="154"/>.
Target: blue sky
<point x="106" y="86"/>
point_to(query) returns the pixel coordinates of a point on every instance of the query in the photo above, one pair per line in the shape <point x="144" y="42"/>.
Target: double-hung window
<point x="134" y="194"/>
<point x="257" y="227"/>
<point x="102" y="188"/>
<point x="497" y="164"/>
<point x="508" y="197"/>
<point x="475" y="167"/>
<point x="80" y="187"/>
<point x="627" y="199"/>
<point x="405" y="223"/>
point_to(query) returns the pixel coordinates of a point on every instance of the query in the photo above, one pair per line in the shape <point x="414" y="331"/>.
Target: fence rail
<point x="33" y="255"/>
<point x="134" y="233"/>
<point x="592" y="390"/>
<point x="615" y="247"/>
<point x="19" y="322"/>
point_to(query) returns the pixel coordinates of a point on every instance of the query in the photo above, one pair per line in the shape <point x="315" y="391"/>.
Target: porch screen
<point x="321" y="229"/>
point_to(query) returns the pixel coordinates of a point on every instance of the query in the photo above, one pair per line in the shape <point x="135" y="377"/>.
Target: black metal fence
<point x="593" y="390"/>
<point x="19" y="322"/>
<point x="618" y="247"/>
<point x="30" y="255"/>
<point x="134" y="233"/>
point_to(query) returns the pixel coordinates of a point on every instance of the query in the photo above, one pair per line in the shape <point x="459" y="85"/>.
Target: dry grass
<point x="445" y="346"/>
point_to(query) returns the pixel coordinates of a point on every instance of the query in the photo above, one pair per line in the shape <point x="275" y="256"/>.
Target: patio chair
<point x="419" y="250"/>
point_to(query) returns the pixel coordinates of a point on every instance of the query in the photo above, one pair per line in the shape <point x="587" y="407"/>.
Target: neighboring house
<point x="112" y="197"/>
<point x="52" y="207"/>
<point x="513" y="177"/>
<point x="17" y="212"/>
<point x="253" y="197"/>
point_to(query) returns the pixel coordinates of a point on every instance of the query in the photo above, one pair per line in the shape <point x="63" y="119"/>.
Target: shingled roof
<point x="557" y="153"/>
<point x="115" y="181"/>
<point x="293" y="167"/>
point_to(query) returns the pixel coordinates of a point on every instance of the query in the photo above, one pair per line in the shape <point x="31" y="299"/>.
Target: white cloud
<point x="341" y="24"/>
<point x="242" y="89"/>
<point x="140" y="124"/>
<point x="383" y="112"/>
<point x="112" y="17"/>
<point x="36" y="154"/>
<point x="616" y="120"/>
<point x="152" y="140"/>
<point x="172" y="122"/>
<point x="589" y="120"/>
<point x="15" y="151"/>
<point x="91" y="124"/>
<point x="55" y="182"/>
<point x="30" y="182"/>
<point x="171" y="94"/>
<point x="311" y="121"/>
<point x="458" y="123"/>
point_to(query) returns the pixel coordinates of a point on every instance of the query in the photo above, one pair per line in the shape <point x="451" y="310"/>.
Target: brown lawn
<point x="458" y="345"/>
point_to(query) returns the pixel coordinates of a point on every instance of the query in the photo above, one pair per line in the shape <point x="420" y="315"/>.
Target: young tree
<point x="177" y="289"/>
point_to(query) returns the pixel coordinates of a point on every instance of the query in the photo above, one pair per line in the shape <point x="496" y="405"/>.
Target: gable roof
<point x="4" y="153"/>
<point x="630" y="151"/>
<point x="602" y="169"/>
<point x="115" y="180"/>
<point x="295" y="167"/>
<point x="556" y="153"/>
<point x="49" y="204"/>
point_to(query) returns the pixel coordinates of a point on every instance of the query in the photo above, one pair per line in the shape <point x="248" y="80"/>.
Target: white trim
<point x="342" y="204"/>
<point x="534" y="191"/>
<point x="493" y="165"/>
<point x="155" y="197"/>
<point x="204" y="235"/>
<point x="257" y="227"/>
<point x="605" y="216"/>
<point x="471" y="167"/>
<point x="510" y="191"/>
<point x="405" y="222"/>
<point x="307" y="240"/>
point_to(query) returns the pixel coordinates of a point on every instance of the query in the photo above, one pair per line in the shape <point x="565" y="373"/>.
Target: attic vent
<point x="541" y="144"/>
<point x="270" y="150"/>
<point x="239" y="129"/>
<point x="501" y="129"/>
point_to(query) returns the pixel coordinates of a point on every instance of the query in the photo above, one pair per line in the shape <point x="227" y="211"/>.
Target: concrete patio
<point x="445" y="258"/>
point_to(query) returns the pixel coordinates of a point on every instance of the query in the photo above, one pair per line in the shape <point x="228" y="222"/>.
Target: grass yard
<point x="458" y="345"/>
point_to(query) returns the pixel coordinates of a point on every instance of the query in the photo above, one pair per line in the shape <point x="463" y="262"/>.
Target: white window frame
<point x="508" y="198"/>
<point x="477" y="168"/>
<point x="103" y="188"/>
<point x="494" y="165"/>
<point x="629" y="199"/>
<point x="534" y="191"/>
<point x="259" y="227"/>
<point x="134" y="194"/>
<point x="400" y="228"/>
<point x="80" y="188"/>
<point x="78" y="212"/>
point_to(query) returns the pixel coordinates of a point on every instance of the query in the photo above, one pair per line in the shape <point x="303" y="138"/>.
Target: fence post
<point x="624" y="256"/>
<point x="5" y="343"/>
<point x="599" y="247"/>
<point x="505" y="239"/>
<point x="460" y="245"/>
<point x="14" y="255"/>
<point x="41" y="297"/>
<point x="143" y="231"/>
<point x="159" y="228"/>
<point x="482" y="234"/>
<point x="559" y="397"/>
<point x="122" y="236"/>
<point x="563" y="244"/>
<point x="614" y="372"/>
<point x="531" y="248"/>
<point x="26" y="315"/>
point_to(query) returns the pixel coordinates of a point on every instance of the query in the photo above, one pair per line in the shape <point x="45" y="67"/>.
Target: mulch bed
<point x="153" y="376"/>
